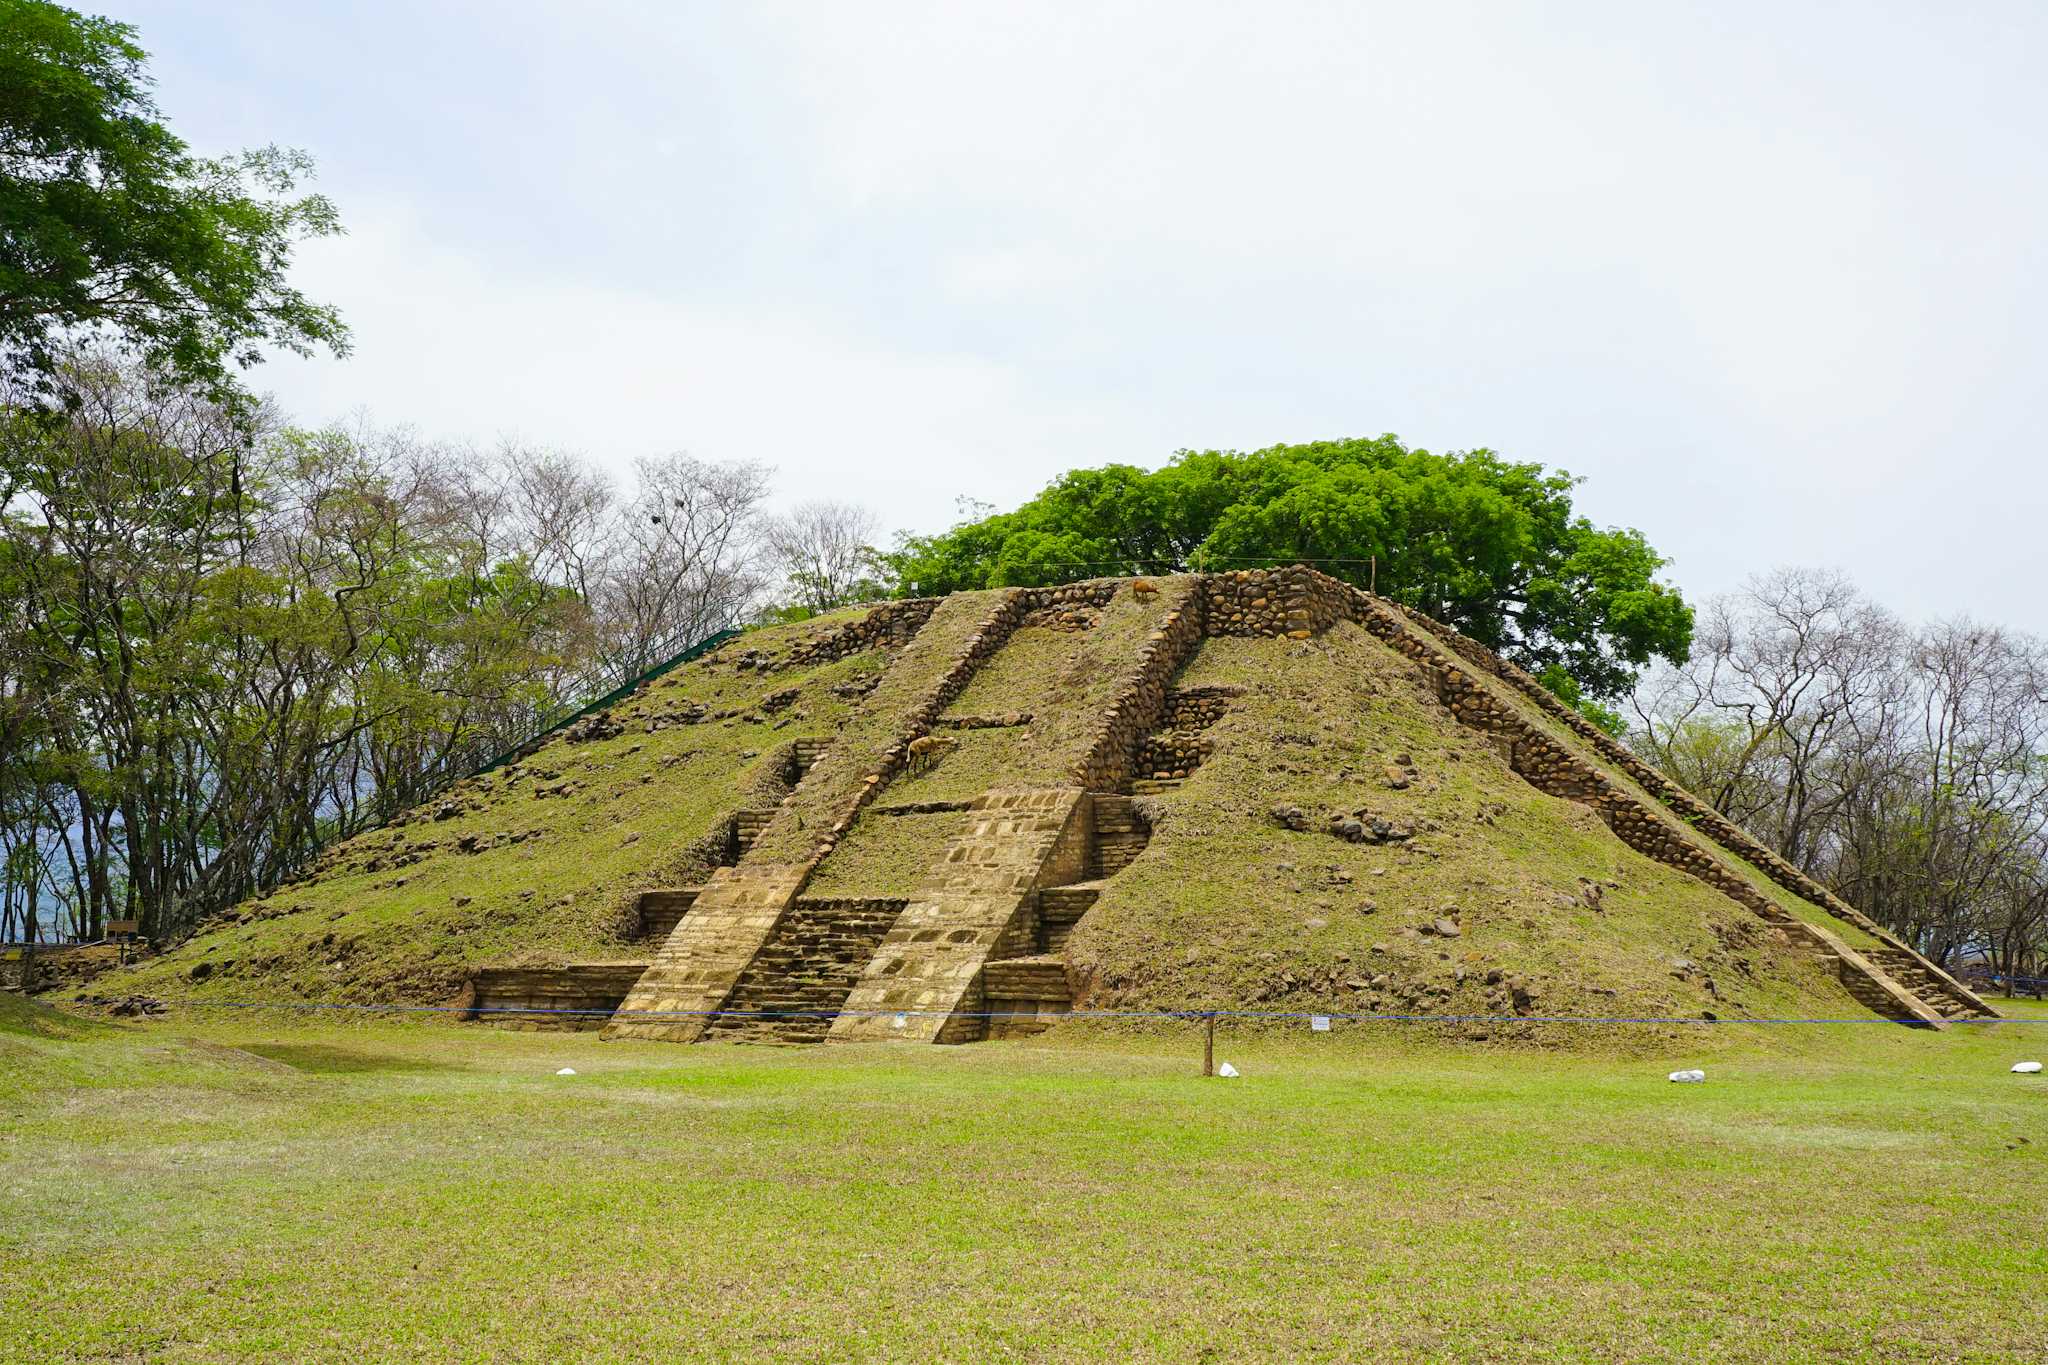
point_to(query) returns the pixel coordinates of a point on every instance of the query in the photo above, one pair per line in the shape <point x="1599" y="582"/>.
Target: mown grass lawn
<point x="257" y="1187"/>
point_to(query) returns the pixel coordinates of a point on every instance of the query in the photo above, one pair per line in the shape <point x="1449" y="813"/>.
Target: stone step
<point x="1025" y="995"/>
<point x="799" y="980"/>
<point x="1067" y="903"/>
<point x="660" y="911"/>
<point x="1154" y="786"/>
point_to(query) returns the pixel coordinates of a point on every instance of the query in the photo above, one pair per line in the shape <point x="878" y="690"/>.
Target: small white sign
<point x="1320" y="1023"/>
<point x="899" y="1021"/>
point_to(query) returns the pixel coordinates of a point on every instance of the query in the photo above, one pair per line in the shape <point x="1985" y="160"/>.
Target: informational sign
<point x="900" y="1021"/>
<point x="1320" y="1023"/>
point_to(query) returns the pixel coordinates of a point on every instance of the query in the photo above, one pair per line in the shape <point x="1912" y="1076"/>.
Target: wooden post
<point x="1209" y="1045"/>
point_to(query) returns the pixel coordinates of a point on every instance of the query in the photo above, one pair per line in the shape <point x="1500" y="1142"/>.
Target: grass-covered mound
<point x="539" y="861"/>
<point x="1552" y="914"/>
<point x="1476" y="895"/>
<point x="33" y="1019"/>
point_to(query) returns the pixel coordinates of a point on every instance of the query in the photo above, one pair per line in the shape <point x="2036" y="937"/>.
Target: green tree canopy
<point x="1487" y="545"/>
<point x="109" y="224"/>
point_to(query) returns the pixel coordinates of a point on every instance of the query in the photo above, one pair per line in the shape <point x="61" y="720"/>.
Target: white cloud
<point x="1764" y="274"/>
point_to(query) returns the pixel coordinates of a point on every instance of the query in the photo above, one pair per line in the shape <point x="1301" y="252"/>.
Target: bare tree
<point x="825" y="552"/>
<point x="684" y="559"/>
<point x="1778" y="671"/>
<point x="1906" y="767"/>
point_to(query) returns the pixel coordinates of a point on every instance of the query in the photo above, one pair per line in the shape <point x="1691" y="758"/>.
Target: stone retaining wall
<point x="494" y="994"/>
<point x="1141" y="692"/>
<point x="1294" y="601"/>
<point x="886" y="626"/>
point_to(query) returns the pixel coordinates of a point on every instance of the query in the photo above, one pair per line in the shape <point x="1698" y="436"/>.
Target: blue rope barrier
<point x="1176" y="1015"/>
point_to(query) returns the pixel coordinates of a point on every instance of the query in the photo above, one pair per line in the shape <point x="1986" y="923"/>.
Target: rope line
<point x="1183" y="1015"/>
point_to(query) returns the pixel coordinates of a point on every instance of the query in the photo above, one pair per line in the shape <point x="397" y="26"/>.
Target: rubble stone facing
<point x="887" y="625"/>
<point x="1294" y="601"/>
<point x="977" y="903"/>
<point x="1142" y="691"/>
<point x="1178" y="747"/>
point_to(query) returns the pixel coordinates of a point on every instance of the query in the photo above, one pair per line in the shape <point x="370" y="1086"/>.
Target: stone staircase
<point x="1120" y="836"/>
<point x="1060" y="908"/>
<point x="1888" y="998"/>
<point x="797" y="983"/>
<point x="1911" y="972"/>
<point x="805" y="754"/>
<point x="1025" y="995"/>
<point x="661" y="911"/>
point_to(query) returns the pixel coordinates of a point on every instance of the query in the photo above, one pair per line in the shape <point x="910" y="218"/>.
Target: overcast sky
<point x="1768" y="276"/>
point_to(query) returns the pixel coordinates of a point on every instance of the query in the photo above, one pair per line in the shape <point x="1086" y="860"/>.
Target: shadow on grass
<point x="322" y="1060"/>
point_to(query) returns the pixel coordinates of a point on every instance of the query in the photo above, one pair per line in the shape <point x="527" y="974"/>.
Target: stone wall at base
<point x="62" y="966"/>
<point x="574" y="995"/>
<point x="977" y="903"/>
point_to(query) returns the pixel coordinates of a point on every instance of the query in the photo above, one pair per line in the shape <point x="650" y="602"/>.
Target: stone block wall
<point x="495" y="994"/>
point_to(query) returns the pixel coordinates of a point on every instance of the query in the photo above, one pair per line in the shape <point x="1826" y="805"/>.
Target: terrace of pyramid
<point x="953" y="819"/>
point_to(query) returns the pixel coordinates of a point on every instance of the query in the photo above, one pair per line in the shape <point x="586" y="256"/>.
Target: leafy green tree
<point x="108" y="223"/>
<point x="1488" y="545"/>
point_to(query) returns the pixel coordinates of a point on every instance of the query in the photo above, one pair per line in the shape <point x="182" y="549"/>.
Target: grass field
<point x="252" y="1187"/>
